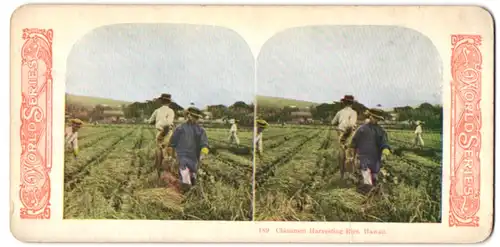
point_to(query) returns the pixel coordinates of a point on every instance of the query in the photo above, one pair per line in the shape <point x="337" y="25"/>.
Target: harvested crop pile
<point x="166" y="198"/>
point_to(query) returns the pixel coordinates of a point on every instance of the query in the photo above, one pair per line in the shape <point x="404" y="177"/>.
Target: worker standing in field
<point x="190" y="143"/>
<point x="163" y="119"/>
<point x="371" y="144"/>
<point x="419" y="141"/>
<point x="233" y="132"/>
<point x="71" y="136"/>
<point x="345" y="120"/>
<point x="261" y="126"/>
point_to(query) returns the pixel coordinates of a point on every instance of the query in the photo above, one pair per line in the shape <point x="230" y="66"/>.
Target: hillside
<point x="88" y="101"/>
<point x="276" y="102"/>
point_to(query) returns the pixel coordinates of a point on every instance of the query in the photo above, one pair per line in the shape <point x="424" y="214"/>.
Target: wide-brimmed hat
<point x="418" y="122"/>
<point x="262" y="123"/>
<point x="376" y="113"/>
<point x="193" y="111"/>
<point x="347" y="98"/>
<point x="232" y="121"/>
<point x="76" y="122"/>
<point x="165" y="96"/>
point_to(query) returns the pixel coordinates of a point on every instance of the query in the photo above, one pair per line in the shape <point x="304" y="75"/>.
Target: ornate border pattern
<point x="466" y="61"/>
<point x="36" y="123"/>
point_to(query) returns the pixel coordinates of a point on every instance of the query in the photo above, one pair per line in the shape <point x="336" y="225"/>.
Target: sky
<point x="136" y="62"/>
<point x="386" y="65"/>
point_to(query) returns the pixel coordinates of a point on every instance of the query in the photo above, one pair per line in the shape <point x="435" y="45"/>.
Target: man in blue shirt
<point x="190" y="143"/>
<point x="371" y="146"/>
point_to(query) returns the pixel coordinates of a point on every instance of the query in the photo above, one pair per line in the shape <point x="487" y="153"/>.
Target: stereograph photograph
<point x="355" y="122"/>
<point x="146" y="102"/>
<point x="175" y="123"/>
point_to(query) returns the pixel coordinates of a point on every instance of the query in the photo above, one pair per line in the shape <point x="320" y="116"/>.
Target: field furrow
<point x="114" y="177"/>
<point x="298" y="180"/>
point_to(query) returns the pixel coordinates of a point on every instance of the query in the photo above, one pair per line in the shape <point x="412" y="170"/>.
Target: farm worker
<point x="261" y="125"/>
<point x="418" y="135"/>
<point x="71" y="136"/>
<point x="190" y="142"/>
<point x="233" y="132"/>
<point x="163" y="119"/>
<point x="345" y="119"/>
<point x="370" y="142"/>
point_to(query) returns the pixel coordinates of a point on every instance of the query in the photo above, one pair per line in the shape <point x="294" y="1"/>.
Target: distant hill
<point x="277" y="102"/>
<point x="90" y="102"/>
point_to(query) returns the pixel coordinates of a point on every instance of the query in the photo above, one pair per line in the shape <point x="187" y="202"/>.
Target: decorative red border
<point x="36" y="123"/>
<point x="466" y="61"/>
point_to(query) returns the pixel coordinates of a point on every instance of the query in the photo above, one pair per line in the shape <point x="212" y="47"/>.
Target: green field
<point x="275" y="102"/>
<point x="297" y="179"/>
<point x="91" y="102"/>
<point x="114" y="178"/>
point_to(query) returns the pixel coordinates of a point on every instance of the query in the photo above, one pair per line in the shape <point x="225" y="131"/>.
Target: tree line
<point x="432" y="115"/>
<point x="239" y="110"/>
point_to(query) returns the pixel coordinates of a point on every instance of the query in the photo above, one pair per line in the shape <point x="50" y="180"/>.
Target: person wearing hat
<point x="163" y="119"/>
<point x="233" y="132"/>
<point x="261" y="126"/>
<point x="71" y="136"/>
<point x="345" y="119"/>
<point x="419" y="141"/>
<point x="190" y="143"/>
<point x="371" y="145"/>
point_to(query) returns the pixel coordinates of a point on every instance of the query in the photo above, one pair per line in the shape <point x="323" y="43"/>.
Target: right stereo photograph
<point x="349" y="126"/>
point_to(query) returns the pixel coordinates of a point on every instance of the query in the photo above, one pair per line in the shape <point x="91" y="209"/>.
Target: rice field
<point x="296" y="179"/>
<point x="114" y="177"/>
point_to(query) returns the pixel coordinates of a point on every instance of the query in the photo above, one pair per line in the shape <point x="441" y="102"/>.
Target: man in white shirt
<point x="233" y="132"/>
<point x="71" y="136"/>
<point x="163" y="119"/>
<point x="419" y="141"/>
<point x="345" y="119"/>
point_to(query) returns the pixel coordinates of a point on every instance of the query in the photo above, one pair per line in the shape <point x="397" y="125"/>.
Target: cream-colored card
<point x="246" y="101"/>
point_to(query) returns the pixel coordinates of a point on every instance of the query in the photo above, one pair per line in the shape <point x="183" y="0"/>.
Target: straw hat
<point x="262" y="123"/>
<point x="195" y="112"/>
<point x="375" y="113"/>
<point x="76" y="122"/>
